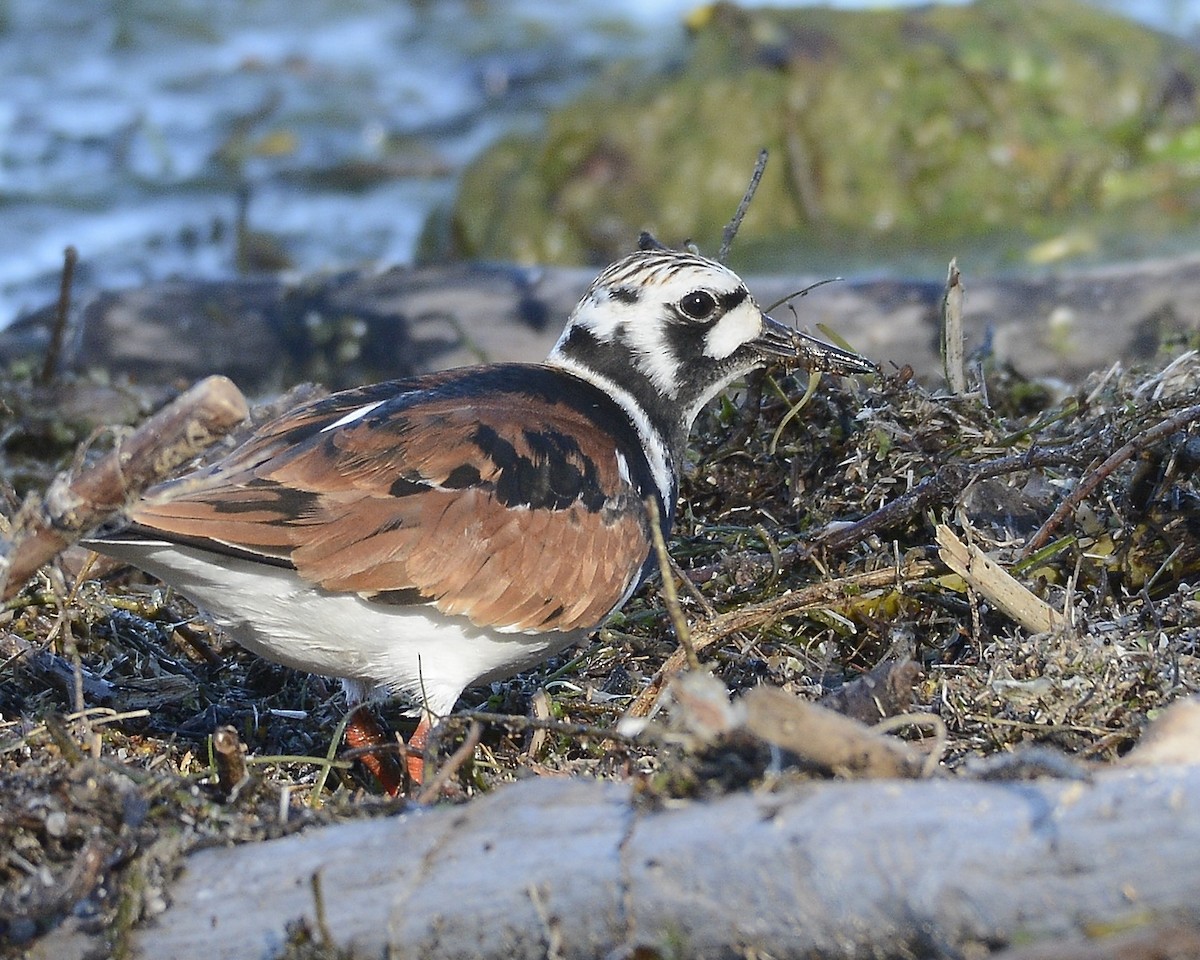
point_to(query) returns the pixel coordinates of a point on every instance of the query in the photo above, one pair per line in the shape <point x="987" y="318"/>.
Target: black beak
<point x="799" y="349"/>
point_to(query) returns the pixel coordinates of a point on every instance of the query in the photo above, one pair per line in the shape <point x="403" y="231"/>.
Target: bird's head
<point x="673" y="329"/>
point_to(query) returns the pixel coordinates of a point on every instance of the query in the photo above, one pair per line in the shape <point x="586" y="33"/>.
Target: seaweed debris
<point x="807" y="540"/>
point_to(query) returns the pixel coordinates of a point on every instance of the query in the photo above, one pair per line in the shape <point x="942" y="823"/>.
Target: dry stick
<point x="54" y="349"/>
<point x="670" y="597"/>
<point x="1084" y="489"/>
<point x="990" y="579"/>
<point x="732" y="227"/>
<point x="948" y="479"/>
<point x="951" y="329"/>
<point x="755" y="615"/>
<point x="826" y="739"/>
<point x="73" y="506"/>
<point x="433" y="789"/>
<point x="230" y="755"/>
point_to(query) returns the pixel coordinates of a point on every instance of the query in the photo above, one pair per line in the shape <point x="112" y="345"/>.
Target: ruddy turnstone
<point x="420" y="536"/>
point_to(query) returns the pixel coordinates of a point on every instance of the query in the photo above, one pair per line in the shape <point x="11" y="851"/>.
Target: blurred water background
<point x="137" y="130"/>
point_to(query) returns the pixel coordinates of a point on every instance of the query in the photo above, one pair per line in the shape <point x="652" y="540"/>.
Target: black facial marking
<point x="687" y="340"/>
<point x="733" y="299"/>
<point x="585" y="348"/>
<point x="625" y="295"/>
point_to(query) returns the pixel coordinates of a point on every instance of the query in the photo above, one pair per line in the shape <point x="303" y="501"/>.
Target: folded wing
<point x="509" y="509"/>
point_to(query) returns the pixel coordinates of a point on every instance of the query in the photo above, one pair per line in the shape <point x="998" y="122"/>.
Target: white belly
<point x="374" y="647"/>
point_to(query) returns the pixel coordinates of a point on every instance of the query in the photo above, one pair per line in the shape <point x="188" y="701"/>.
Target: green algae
<point x="896" y="128"/>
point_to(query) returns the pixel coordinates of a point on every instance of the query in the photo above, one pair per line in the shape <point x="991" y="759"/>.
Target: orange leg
<point x="363" y="730"/>
<point x="415" y="758"/>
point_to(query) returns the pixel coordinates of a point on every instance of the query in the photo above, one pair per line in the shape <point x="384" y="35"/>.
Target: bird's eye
<point x="698" y="305"/>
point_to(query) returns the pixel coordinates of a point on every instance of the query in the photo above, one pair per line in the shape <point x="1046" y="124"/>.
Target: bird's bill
<point x="799" y="349"/>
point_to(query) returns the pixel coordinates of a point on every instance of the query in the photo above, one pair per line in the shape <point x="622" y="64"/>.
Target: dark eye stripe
<point x="732" y="299"/>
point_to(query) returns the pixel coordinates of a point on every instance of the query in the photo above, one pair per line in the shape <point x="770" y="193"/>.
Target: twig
<point x="550" y="923"/>
<point x="926" y="721"/>
<point x="75" y="505"/>
<point x="732" y="227"/>
<point x="191" y="639"/>
<point x="230" y="754"/>
<point x="321" y="917"/>
<point x="62" y="738"/>
<point x="802" y="292"/>
<point x="826" y="739"/>
<point x="951" y="329"/>
<point x="61" y="314"/>
<point x="1086" y="486"/>
<point x="433" y="789"/>
<point x="330" y="761"/>
<point x="682" y="633"/>
<point x="947" y="482"/>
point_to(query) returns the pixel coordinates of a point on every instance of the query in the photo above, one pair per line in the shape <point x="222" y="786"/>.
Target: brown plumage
<point x="328" y="506"/>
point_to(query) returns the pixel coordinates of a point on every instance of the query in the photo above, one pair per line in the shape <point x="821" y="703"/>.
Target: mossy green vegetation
<point x="1013" y="122"/>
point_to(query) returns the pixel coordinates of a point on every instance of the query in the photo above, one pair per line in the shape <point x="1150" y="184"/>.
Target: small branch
<point x="732" y="227"/>
<point x="61" y="315"/>
<point x="75" y="505"/>
<point x="1087" y="486"/>
<point x="951" y="329"/>
<point x="827" y="740"/>
<point x="670" y="597"/>
<point x="230" y="755"/>
<point x="433" y="789"/>
<point x="946" y="483"/>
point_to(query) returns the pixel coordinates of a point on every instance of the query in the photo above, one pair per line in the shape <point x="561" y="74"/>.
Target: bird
<point x="419" y="536"/>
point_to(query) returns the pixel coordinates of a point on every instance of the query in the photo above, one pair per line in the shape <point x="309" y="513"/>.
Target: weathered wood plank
<point x="577" y="869"/>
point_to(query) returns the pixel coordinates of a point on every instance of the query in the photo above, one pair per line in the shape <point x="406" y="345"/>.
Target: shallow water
<point x="128" y="127"/>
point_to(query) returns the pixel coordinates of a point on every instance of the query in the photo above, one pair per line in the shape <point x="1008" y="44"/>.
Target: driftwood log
<point x="565" y="868"/>
<point x="358" y="327"/>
